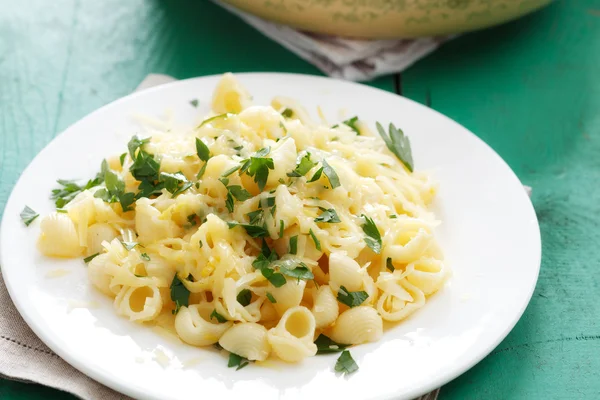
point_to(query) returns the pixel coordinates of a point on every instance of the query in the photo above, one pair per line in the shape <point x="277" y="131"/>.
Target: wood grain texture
<point x="531" y="90"/>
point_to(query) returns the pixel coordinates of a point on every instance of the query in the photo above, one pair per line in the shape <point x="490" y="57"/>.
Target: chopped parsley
<point x="175" y="183"/>
<point x="281" y="228"/>
<point x="317" y="175"/>
<point x="129" y="245"/>
<point x="258" y="167"/>
<point x="230" y="171"/>
<point x="244" y="297"/>
<point x="398" y="143"/>
<point x="28" y="215"/>
<point x="70" y="189"/>
<point x="271" y="298"/>
<point x="90" y="258"/>
<point x="206" y="121"/>
<point x="294" y="244"/>
<point x="263" y="264"/>
<point x="179" y="294"/>
<point x="115" y="189"/>
<point x="221" y="319"/>
<point x="389" y="265"/>
<point x="373" y="238"/>
<point x="201" y="173"/>
<point x="351" y="122"/>
<point x="351" y="299"/>
<point x="145" y="256"/>
<point x="136" y="143"/>
<point x="202" y="150"/>
<point x="393" y="216"/>
<point x="234" y="191"/>
<point x="194" y="102"/>
<point x="122" y="158"/>
<point x="331" y="175"/>
<point x="304" y="165"/>
<point x="254" y="231"/>
<point x="328" y="215"/>
<point x="301" y="271"/>
<point x="345" y="363"/>
<point x="288" y="113"/>
<point x="325" y="345"/>
<point x="237" y="361"/>
<point x="314" y="238"/>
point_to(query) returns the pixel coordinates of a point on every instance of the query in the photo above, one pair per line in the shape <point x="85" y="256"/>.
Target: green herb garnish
<point x="221" y="319"/>
<point x="206" y="121"/>
<point x="325" y="345"/>
<point x="373" y="238"/>
<point x="328" y="215"/>
<point x="90" y="258"/>
<point x="288" y="113"/>
<point x="145" y="256"/>
<point x="351" y="299"/>
<point x="271" y="298"/>
<point x="294" y="244"/>
<point x="122" y="158"/>
<point x="281" y="228"/>
<point x="316" y="176"/>
<point x="237" y="361"/>
<point x="345" y="363"/>
<point x="244" y="297"/>
<point x="175" y="183"/>
<point x="301" y="271"/>
<point x="389" y="265"/>
<point x="179" y="294"/>
<point x="314" y="238"/>
<point x="258" y="167"/>
<point x="28" y="215"/>
<point x="398" y="143"/>
<point x="202" y="150"/>
<point x="129" y="245"/>
<point x="254" y="231"/>
<point x="331" y="175"/>
<point x="194" y="102"/>
<point x="304" y="165"/>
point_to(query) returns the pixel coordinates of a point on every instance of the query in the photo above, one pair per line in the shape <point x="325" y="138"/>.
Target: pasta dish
<point x="259" y="230"/>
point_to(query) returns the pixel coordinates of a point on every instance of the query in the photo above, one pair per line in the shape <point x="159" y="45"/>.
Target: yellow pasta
<point x="258" y="229"/>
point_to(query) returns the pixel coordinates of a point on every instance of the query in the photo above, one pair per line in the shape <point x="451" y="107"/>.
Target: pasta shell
<point x="292" y="338"/>
<point x="194" y="325"/>
<point x="357" y="325"/>
<point x="59" y="237"/>
<point x="248" y="340"/>
<point x="325" y="308"/>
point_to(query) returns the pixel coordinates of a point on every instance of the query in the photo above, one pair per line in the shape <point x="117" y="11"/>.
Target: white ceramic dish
<point x="490" y="237"/>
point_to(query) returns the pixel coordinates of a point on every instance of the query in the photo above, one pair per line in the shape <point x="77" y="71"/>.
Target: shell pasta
<point x="258" y="230"/>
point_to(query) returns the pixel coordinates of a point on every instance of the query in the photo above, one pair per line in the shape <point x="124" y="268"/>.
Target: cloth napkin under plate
<point x="350" y="59"/>
<point x="24" y="357"/>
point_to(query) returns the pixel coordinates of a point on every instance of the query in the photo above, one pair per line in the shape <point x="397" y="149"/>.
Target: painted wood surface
<point x="530" y="89"/>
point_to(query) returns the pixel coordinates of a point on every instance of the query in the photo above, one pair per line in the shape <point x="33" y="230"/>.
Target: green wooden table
<point x="530" y="89"/>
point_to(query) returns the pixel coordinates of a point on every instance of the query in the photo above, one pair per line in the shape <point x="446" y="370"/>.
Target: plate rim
<point x="107" y="379"/>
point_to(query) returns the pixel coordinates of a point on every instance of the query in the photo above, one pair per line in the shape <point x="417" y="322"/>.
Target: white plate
<point x="490" y="237"/>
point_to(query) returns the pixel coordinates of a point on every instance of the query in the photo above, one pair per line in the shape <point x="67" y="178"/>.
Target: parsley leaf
<point x="115" y="191"/>
<point x="254" y="231"/>
<point x="206" y="121"/>
<point x="244" y="297"/>
<point x="294" y="244"/>
<point x="28" y="215"/>
<point x="202" y="150"/>
<point x="221" y="319"/>
<point x="145" y="167"/>
<point x="325" y="345"/>
<point x="389" y="265"/>
<point x="194" y="102"/>
<point x="239" y="192"/>
<point x="398" y="143"/>
<point x="276" y="279"/>
<point x="314" y="238"/>
<point x="136" y="143"/>
<point x="351" y="299"/>
<point x="316" y="176"/>
<point x="345" y="363"/>
<point x="373" y="238"/>
<point x="304" y="165"/>
<point x="179" y="294"/>
<point x="328" y="215"/>
<point x="230" y="171"/>
<point x="174" y="183"/>
<point x="351" y="122"/>
<point x="201" y="171"/>
<point x="271" y="298"/>
<point x="300" y="272"/>
<point x="237" y="361"/>
<point x="331" y="175"/>
<point x="281" y="228"/>
<point x="70" y="189"/>
<point x="145" y="256"/>
<point x="90" y="258"/>
<point x="288" y="113"/>
<point x="258" y="167"/>
<point x="129" y="245"/>
<point x="393" y="216"/>
<point x="122" y="158"/>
